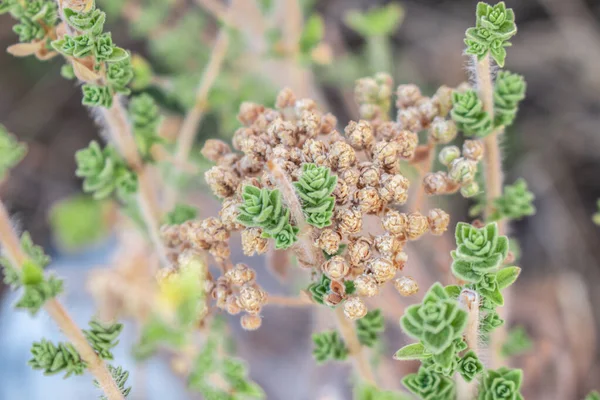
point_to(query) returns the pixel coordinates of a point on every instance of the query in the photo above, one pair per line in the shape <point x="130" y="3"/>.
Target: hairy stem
<point x="493" y="154"/>
<point x="12" y="248"/>
<point x="121" y="135"/>
<point x="189" y="127"/>
<point x="284" y="301"/>
<point x="362" y="366"/>
<point x="469" y="301"/>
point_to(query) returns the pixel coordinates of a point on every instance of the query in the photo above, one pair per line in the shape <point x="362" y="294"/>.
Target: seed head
<point x="253" y="242"/>
<point x="229" y="213"/>
<point x="443" y="97"/>
<point x="240" y="274"/>
<point x="407" y="144"/>
<point x="328" y="123"/>
<point x="329" y="241"/>
<point x="387" y="244"/>
<point x="336" y="267"/>
<point x="285" y="98"/>
<point x="366" y="285"/>
<point x="394" y="188"/>
<point x="359" y="134"/>
<point x="232" y="305"/>
<point x="473" y="150"/>
<point x="341" y="192"/>
<point x="249" y="113"/>
<point x="283" y="132"/>
<point x="395" y="222"/>
<point x="400" y="259"/>
<point x="214" y="149"/>
<point x="462" y="170"/>
<point x="349" y="220"/>
<point x="316" y="152"/>
<point x="442" y="130"/>
<point x="435" y="182"/>
<point x="385" y="154"/>
<point x="354" y="308"/>
<point x="406" y="286"/>
<point x="368" y="200"/>
<point x="470" y="189"/>
<point x="410" y="119"/>
<point x="251" y="322"/>
<point x="438" y="221"/>
<point x="350" y="176"/>
<point x="407" y="95"/>
<point x="382" y="269"/>
<point x="359" y="250"/>
<point x="342" y="155"/>
<point x="428" y="109"/>
<point x="220" y="251"/>
<point x="251" y="298"/>
<point x="417" y="225"/>
<point x="222" y="181"/>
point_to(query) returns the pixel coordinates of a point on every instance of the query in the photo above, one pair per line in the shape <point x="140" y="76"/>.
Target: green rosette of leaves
<point x="469" y="115"/>
<point x="509" y="91"/>
<point x="103" y="337"/>
<point x="11" y="151"/>
<point x="470" y="366"/>
<point x="314" y="188"/>
<point x="515" y="203"/>
<point x="264" y="208"/>
<point x="479" y="251"/>
<point x="329" y="346"/>
<point x="369" y="327"/>
<point x="437" y="322"/>
<point x="429" y="385"/>
<point x="53" y="359"/>
<point x="501" y="384"/>
<point x="318" y="290"/>
<point x="145" y="118"/>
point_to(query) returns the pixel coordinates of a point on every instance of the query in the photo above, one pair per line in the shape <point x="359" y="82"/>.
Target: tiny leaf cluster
<point x="11" y="151"/>
<point x="515" y="203"/>
<point x="315" y="187"/>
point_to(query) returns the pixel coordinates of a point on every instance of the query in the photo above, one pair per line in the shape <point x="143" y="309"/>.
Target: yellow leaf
<point x="24" y="49"/>
<point x="84" y="73"/>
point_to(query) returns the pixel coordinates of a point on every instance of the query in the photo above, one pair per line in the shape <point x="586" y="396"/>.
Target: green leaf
<point x="96" y="96"/>
<point x="468" y="114"/>
<point x="180" y="214"/>
<point x="117" y="54"/>
<point x="470" y="366"/>
<point x="500" y="384"/>
<point x="312" y="33"/>
<point x="329" y="346"/>
<point x="515" y="203"/>
<point x="453" y="291"/>
<point x="11" y="152"/>
<point x="509" y="91"/>
<point x="314" y="188"/>
<point x="103" y="337"/>
<point x="36" y="295"/>
<point x="31" y="273"/>
<point x="593" y="395"/>
<point x="507" y="276"/>
<point x="430" y="385"/>
<point x="517" y="342"/>
<point x="415" y="351"/>
<point x="382" y="21"/>
<point x="54" y="359"/>
<point x="120" y="377"/>
<point x="370" y="327"/>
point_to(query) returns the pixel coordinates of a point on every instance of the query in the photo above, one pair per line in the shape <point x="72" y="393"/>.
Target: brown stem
<point x="361" y="365"/>
<point x="284" y="301"/>
<point x="425" y="166"/>
<point x="12" y="248"/>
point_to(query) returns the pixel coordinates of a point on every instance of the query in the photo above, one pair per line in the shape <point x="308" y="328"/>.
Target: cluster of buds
<point x="417" y="112"/>
<point x="462" y="170"/>
<point x="209" y="234"/>
<point x="236" y="291"/>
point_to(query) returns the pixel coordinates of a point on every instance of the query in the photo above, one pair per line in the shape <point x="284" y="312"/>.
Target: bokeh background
<point x="554" y="145"/>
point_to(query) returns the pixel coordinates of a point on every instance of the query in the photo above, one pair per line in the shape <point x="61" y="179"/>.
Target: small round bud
<point x="285" y="98"/>
<point x="368" y="200"/>
<point x="428" y="108"/>
<point x="435" y="183"/>
<point x="359" y="250"/>
<point x="232" y="305"/>
<point x="328" y="124"/>
<point x="370" y="175"/>
<point x="394" y="188"/>
<point x="336" y="267"/>
<point x="407" y="143"/>
<point x="349" y="220"/>
<point x="400" y="259"/>
<point x="385" y="154"/>
<point x="253" y="242"/>
<point x="251" y="322"/>
<point x="473" y="150"/>
<point x="442" y="131"/>
<point x="387" y="244"/>
<point x="214" y="149"/>
<point x="406" y="286"/>
<point x="382" y="269"/>
<point x="394" y="222"/>
<point x="462" y="170"/>
<point x="366" y="286"/>
<point x="249" y="112"/>
<point x="438" y="221"/>
<point x="470" y="189"/>
<point x="443" y="98"/>
<point x="407" y="95"/>
<point x="354" y="308"/>
<point x="449" y="154"/>
<point x="342" y="155"/>
<point x="410" y="119"/>
<point x="417" y="225"/>
<point x="222" y="181"/>
<point x="251" y="298"/>
<point x="359" y="134"/>
<point x="329" y="241"/>
<point x="350" y="176"/>
<point x="341" y="192"/>
<point x="240" y="274"/>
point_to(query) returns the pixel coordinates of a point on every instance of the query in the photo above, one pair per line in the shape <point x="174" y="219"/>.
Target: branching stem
<point x="12" y="248"/>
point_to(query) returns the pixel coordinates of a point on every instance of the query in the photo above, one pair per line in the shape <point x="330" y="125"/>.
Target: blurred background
<point x="554" y="145"/>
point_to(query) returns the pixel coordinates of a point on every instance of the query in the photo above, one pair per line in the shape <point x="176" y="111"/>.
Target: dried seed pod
<point x="285" y="98"/>
<point x="329" y="241"/>
<point x="350" y="176"/>
<point x="359" y="250"/>
<point x="304" y="105"/>
<point x="370" y="174"/>
<point x="407" y="95"/>
<point x="438" y="221"/>
<point x="336" y="267"/>
<point x="316" y="152"/>
<point x="435" y="183"/>
<point x="354" y="308"/>
<point x="473" y="150"/>
<point x="213" y="230"/>
<point x="232" y="305"/>
<point x="443" y="97"/>
<point x="449" y="154"/>
<point x="417" y="225"/>
<point x="222" y="181"/>
<point x="214" y="149"/>
<point x="387" y="244"/>
<point x="341" y="192"/>
<point x="220" y="251"/>
<point x="297" y="156"/>
<point x="400" y="259"/>
<point x="229" y="160"/>
<point x="442" y="130"/>
<point x="253" y="242"/>
<point x="342" y="155"/>
<point x="385" y="154"/>
<point x="462" y="170"/>
<point x="229" y="213"/>
<point x="359" y="134"/>
<point x="394" y="188"/>
<point x="251" y="322"/>
<point x="249" y="165"/>
<point x="394" y="222"/>
<point x="407" y="144"/>
<point x="249" y="112"/>
<point x="349" y="220"/>
<point x="367" y="200"/>
<point x="333" y="299"/>
<point x="387" y="130"/>
<point x="428" y="109"/>
<point x="240" y="274"/>
<point x="170" y="236"/>
<point x="410" y="119"/>
<point x="406" y="286"/>
<point x="191" y="233"/>
<point x="309" y="123"/>
<point x="328" y="124"/>
<point x="251" y="298"/>
<point x="283" y="132"/>
<point x="366" y="285"/>
<point x="382" y="269"/>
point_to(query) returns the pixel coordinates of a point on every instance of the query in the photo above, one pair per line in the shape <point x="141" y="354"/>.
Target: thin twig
<point x="285" y="301"/>
<point x="189" y="127"/>
<point x="12" y="248"/>
<point x="426" y="165"/>
<point x="469" y="301"/>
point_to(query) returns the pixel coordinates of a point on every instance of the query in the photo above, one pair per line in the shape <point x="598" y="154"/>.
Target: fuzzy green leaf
<point x="515" y="203"/>
<point x="180" y="214"/>
<point x="490" y="322"/>
<point x="507" y="276"/>
<point x="54" y="359"/>
<point x="103" y="337"/>
<point x="501" y="384"/>
<point x="509" y="90"/>
<point x="35" y="296"/>
<point x="469" y="115"/>
<point x="329" y="346"/>
<point x="96" y="96"/>
<point x="470" y="366"/>
<point x="312" y="34"/>
<point x="429" y="385"/>
<point x="145" y="117"/>
<point x="415" y="351"/>
<point x="11" y="151"/>
<point x="517" y="342"/>
<point x="369" y="328"/>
